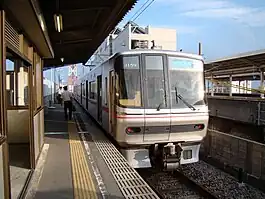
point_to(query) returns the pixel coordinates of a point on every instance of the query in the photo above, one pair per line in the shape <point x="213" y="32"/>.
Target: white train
<point x="153" y="104"/>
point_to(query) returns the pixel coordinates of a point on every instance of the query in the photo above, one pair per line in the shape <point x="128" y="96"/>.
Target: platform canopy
<point x="245" y="65"/>
<point x="86" y="23"/>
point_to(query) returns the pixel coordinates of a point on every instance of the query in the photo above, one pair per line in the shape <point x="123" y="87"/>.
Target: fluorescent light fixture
<point x="58" y="22"/>
<point x="41" y="22"/>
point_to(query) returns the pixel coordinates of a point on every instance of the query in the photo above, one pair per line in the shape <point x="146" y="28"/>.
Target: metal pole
<point x="51" y="94"/>
<point x="200" y="48"/>
<point x="54" y="77"/>
<point x="50" y="102"/>
<point x="208" y="86"/>
<point x="262" y="83"/>
<point x="212" y="91"/>
<point x="230" y="80"/>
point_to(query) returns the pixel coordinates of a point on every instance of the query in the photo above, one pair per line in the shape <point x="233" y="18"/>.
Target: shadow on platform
<point x="68" y="194"/>
<point x="54" y="120"/>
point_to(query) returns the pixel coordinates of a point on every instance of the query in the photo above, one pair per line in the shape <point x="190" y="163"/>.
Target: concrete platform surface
<point x="68" y="171"/>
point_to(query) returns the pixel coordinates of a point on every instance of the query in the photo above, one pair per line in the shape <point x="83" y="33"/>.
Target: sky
<point x="224" y="27"/>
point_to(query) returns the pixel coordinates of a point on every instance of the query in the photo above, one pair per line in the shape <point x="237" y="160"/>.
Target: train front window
<point x="155" y="83"/>
<point x="186" y="81"/>
<point x="130" y="82"/>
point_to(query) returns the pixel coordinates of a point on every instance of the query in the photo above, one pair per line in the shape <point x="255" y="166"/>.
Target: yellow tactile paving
<point x="82" y="180"/>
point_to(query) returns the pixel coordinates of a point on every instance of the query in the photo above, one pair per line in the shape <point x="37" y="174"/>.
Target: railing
<point x="226" y="85"/>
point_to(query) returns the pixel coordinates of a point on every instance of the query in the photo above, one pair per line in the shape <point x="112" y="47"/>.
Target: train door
<point x="157" y="110"/>
<point x="99" y="97"/>
<point x="86" y="94"/>
<point x="112" y="120"/>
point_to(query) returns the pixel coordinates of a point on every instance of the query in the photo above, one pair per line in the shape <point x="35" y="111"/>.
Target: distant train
<point x="153" y="104"/>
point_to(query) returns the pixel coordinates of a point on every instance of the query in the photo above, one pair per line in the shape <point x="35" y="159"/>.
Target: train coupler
<point x="171" y="156"/>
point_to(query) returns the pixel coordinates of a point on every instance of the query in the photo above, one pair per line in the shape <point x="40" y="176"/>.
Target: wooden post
<point x="3" y="107"/>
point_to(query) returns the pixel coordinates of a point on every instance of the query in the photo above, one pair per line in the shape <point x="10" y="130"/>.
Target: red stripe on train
<point x="143" y="116"/>
<point x="147" y="116"/>
<point x="106" y="109"/>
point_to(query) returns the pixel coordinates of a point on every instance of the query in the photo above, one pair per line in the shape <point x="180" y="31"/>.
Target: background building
<point x="132" y="36"/>
<point x="72" y="76"/>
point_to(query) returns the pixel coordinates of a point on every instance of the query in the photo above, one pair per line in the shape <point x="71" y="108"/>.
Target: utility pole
<point x="200" y="48"/>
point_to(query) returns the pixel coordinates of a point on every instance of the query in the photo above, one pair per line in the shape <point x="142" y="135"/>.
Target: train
<point x="153" y="104"/>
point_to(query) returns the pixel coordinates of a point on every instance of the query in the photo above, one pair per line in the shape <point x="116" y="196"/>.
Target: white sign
<point x="72" y="70"/>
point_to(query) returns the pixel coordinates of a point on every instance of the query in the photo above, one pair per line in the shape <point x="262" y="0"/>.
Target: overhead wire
<point x="143" y="10"/>
<point x="139" y="10"/>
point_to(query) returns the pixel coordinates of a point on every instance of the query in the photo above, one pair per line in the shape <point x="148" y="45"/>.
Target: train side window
<point x="128" y="82"/>
<point x="81" y="89"/>
<point x="89" y="90"/>
<point x="106" y="90"/>
<point x="92" y="90"/>
<point x="84" y="90"/>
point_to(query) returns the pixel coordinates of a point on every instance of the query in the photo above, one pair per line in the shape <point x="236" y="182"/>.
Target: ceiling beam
<point x="75" y="41"/>
<point x="85" y="9"/>
<point x="57" y="36"/>
<point x="57" y="61"/>
<point x="72" y="50"/>
<point x="84" y="32"/>
<point x="247" y="61"/>
<point x="212" y="67"/>
<point x="96" y="19"/>
<point x="78" y="28"/>
<point x="81" y="5"/>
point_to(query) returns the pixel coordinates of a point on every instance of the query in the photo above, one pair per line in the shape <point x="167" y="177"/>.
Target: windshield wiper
<point x="158" y="108"/>
<point x="184" y="101"/>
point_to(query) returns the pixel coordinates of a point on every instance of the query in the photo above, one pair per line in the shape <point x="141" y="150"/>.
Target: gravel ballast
<point x="167" y="185"/>
<point x="220" y="183"/>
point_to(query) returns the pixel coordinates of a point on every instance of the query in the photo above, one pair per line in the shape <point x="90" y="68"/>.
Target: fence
<point x="228" y="84"/>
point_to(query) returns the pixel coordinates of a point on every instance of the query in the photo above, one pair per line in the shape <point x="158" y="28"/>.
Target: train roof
<point x="155" y="51"/>
<point x="150" y="51"/>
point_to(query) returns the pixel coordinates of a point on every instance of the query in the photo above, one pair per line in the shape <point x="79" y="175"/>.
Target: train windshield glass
<point x="186" y="81"/>
<point x="155" y="83"/>
<point x="130" y="82"/>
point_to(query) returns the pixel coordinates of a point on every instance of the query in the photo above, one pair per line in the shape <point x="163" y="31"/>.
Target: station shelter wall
<point x="2" y="191"/>
<point x="21" y="97"/>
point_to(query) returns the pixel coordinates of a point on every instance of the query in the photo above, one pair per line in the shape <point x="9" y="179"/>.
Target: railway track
<point x="198" y="180"/>
<point x="169" y="185"/>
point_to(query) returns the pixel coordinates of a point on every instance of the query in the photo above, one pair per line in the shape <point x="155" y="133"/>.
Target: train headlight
<point x="199" y="126"/>
<point x="132" y="130"/>
<point x="187" y="154"/>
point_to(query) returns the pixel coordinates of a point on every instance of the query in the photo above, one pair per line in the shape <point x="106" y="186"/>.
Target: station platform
<point x="78" y="161"/>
